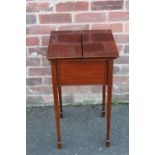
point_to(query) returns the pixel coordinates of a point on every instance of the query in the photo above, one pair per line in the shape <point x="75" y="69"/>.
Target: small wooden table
<point x="81" y="58"/>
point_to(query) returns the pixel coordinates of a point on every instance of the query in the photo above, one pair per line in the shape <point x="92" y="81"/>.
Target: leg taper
<point x="56" y="106"/>
<point x="60" y="101"/>
<point x="110" y="72"/>
<point x="103" y="100"/>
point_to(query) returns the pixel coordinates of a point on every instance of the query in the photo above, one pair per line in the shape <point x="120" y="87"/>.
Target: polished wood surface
<point x="110" y="76"/>
<point x="82" y="44"/>
<point x="56" y="106"/>
<point x="79" y="72"/>
<point x="82" y="58"/>
<point x="64" y="45"/>
<point x="99" y="44"/>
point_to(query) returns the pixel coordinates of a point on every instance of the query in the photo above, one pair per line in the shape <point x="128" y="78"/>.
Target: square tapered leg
<point x="110" y="73"/>
<point x="60" y="101"/>
<point x="103" y="100"/>
<point x="56" y="106"/>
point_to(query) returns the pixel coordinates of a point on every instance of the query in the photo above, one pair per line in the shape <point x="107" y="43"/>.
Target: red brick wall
<point x="46" y="15"/>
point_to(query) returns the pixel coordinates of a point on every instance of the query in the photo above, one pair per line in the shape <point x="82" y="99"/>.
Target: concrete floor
<point x="83" y="131"/>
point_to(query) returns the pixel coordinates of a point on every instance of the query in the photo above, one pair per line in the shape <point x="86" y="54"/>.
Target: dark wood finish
<point x="82" y="44"/>
<point x="110" y="76"/>
<point x="81" y="72"/>
<point x="82" y="58"/>
<point x="60" y="101"/>
<point x="99" y="44"/>
<point x="64" y="45"/>
<point x="103" y="100"/>
<point x="56" y="106"/>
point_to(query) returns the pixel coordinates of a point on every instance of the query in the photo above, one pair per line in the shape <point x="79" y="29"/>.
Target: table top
<point x="82" y="44"/>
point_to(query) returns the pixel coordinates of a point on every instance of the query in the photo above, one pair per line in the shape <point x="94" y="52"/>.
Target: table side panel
<point x="82" y="72"/>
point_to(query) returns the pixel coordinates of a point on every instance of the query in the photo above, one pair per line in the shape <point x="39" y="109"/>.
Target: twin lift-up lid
<point x="82" y="44"/>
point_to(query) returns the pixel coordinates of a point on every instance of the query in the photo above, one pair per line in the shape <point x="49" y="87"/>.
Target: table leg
<point x="56" y="106"/>
<point x="110" y="74"/>
<point x="103" y="100"/>
<point x="60" y="101"/>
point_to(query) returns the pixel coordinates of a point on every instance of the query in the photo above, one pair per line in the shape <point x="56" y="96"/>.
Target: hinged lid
<point x="99" y="44"/>
<point x="64" y="44"/>
<point x="82" y="44"/>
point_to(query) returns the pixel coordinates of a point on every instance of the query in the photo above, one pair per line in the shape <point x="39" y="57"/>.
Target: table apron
<point x="82" y="72"/>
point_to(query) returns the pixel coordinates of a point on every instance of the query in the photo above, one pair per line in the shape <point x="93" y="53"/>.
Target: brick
<point x="33" y="61"/>
<point x="126" y="49"/>
<point x="90" y="17"/>
<point x="116" y="70"/>
<point x="74" y="27"/>
<point x="47" y="81"/>
<point x="45" y="62"/>
<point x="33" y="81"/>
<point x="55" y="18"/>
<point x="120" y="98"/>
<point x="48" y="100"/>
<point x="38" y="7"/>
<point x="38" y="90"/>
<point x="107" y="5"/>
<point x="77" y="90"/>
<point x="124" y="70"/>
<point x="37" y="51"/>
<point x="119" y="79"/>
<point x="32" y="41"/>
<point x="96" y="89"/>
<point x="45" y="40"/>
<point x="116" y="27"/>
<point x="39" y="71"/>
<point x="27" y="52"/>
<point x="68" y="99"/>
<point x="126" y="27"/>
<point x="72" y="6"/>
<point x="120" y="84"/>
<point x="39" y="29"/>
<point x="127" y="5"/>
<point x="122" y="60"/>
<point x="31" y="19"/>
<point x="120" y="48"/>
<point x="118" y="16"/>
<point x="121" y="38"/>
<point x="42" y="100"/>
<point x="34" y="100"/>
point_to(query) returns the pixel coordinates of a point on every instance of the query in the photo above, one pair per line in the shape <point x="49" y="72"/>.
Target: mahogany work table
<point x="82" y="58"/>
